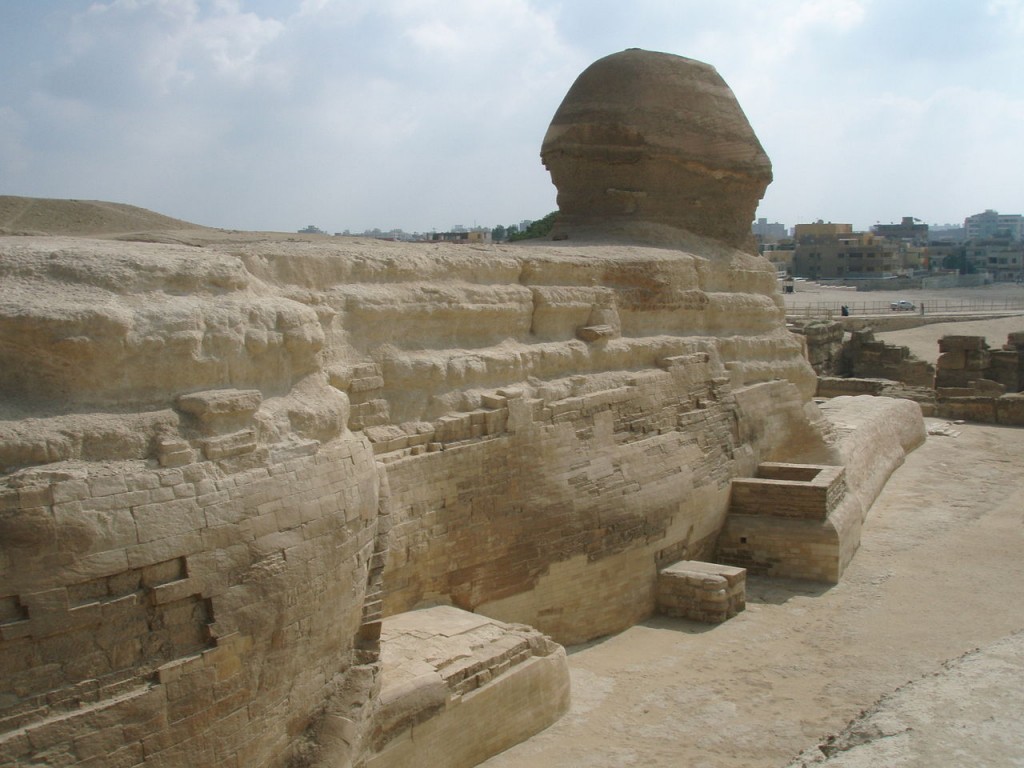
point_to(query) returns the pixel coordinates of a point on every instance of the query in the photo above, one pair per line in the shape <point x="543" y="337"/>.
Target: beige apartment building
<point x="831" y="251"/>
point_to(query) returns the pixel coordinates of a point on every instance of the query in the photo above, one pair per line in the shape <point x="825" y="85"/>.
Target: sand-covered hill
<point x="40" y="215"/>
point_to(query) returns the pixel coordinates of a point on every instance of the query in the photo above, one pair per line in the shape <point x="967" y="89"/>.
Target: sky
<point x="425" y="114"/>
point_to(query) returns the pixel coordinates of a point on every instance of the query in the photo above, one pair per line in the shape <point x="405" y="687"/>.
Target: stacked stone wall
<point x="962" y="359"/>
<point x="699" y="591"/>
<point x="638" y="469"/>
<point x="824" y="341"/>
<point x="789" y="494"/>
<point x="865" y="358"/>
<point x="976" y="383"/>
<point x="781" y="522"/>
<point x="180" y="615"/>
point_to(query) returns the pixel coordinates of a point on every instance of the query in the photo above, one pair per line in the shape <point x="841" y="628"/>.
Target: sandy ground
<point x="939" y="573"/>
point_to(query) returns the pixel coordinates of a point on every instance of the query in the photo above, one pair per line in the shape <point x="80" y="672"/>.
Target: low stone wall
<point x="601" y="487"/>
<point x="803" y="491"/>
<point x="966" y="404"/>
<point x="955" y="281"/>
<point x="463" y="686"/>
<point x="824" y="344"/>
<point x="780" y="523"/>
<point x="865" y="358"/>
<point x="976" y="383"/>
<point x="818" y="538"/>
<point x="834" y="386"/>
<point x="967" y="359"/>
<point x="901" y="321"/>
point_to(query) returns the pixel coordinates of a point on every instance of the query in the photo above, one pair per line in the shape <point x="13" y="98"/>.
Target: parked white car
<point x="902" y="306"/>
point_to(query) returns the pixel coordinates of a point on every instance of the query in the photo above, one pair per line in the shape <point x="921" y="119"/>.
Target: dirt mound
<point x="39" y="215"/>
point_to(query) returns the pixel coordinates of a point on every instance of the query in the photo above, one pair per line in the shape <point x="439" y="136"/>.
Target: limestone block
<point x="1005" y="367"/>
<point x="701" y="591"/>
<point x="173" y="452"/>
<point x="953" y="378"/>
<point x="950" y="392"/>
<point x="592" y="333"/>
<point x="954" y="343"/>
<point x="1010" y="410"/>
<point x="225" y="446"/>
<point x="831" y="386"/>
<point x="387" y="438"/>
<point x="464" y="686"/>
<point x="977" y="360"/>
<point x="987" y="387"/>
<point x="971" y="408"/>
<point x="224" y="406"/>
<point x="493" y="401"/>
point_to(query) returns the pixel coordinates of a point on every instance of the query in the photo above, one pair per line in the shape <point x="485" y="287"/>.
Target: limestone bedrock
<point x="655" y="138"/>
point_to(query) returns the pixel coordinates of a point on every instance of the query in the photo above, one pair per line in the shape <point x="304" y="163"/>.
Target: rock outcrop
<point x="226" y="458"/>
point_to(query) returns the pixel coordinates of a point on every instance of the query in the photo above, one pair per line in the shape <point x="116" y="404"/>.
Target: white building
<point x="990" y="224"/>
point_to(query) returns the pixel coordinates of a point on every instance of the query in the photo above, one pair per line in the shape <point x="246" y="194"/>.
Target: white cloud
<point x="420" y="113"/>
<point x="165" y="45"/>
<point x="1011" y="11"/>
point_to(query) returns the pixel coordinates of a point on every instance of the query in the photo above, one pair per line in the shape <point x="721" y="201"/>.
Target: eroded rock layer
<point x="228" y="459"/>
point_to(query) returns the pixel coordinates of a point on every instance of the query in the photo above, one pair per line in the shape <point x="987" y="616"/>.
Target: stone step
<point x="706" y="592"/>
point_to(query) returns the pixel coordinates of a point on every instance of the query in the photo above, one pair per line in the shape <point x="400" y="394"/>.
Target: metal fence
<point x="927" y="307"/>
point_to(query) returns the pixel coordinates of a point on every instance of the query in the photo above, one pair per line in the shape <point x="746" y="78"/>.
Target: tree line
<point x="511" y="233"/>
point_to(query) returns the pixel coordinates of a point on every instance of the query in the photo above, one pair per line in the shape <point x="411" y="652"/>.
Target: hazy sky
<point x="421" y="114"/>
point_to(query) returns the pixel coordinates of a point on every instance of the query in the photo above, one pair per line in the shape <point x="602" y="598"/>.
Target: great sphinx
<point x="232" y="462"/>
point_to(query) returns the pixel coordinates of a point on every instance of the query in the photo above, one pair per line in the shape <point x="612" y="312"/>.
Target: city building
<point x="909" y="230"/>
<point x="835" y="251"/>
<point x="768" y="232"/>
<point x="947" y="233"/>
<point x="1002" y="258"/>
<point x="463" y="235"/>
<point x="992" y="224"/>
<point x="820" y="229"/>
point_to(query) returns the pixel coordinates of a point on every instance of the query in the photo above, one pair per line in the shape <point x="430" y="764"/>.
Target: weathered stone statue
<point x="271" y="501"/>
<point x="646" y="137"/>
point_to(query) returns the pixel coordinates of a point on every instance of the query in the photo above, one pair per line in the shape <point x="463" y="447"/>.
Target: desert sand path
<point x="939" y="573"/>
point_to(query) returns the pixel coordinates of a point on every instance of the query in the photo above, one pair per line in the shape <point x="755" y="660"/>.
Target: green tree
<point x="498" y="233"/>
<point x="537" y="229"/>
<point x="958" y="260"/>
